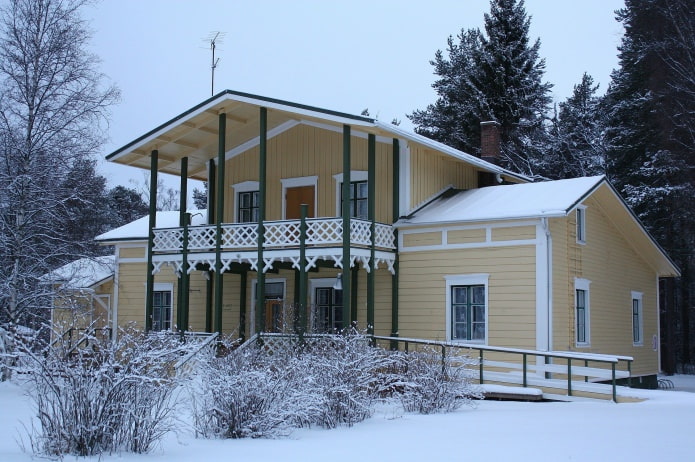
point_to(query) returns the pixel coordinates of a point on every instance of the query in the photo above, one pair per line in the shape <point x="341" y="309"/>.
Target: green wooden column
<point x="303" y="280"/>
<point x="182" y="302"/>
<point x="396" y="215"/>
<point x="347" y="292"/>
<point x="371" y="214"/>
<point x="149" y="290"/>
<point x="260" y="284"/>
<point x="211" y="220"/>
<point x="219" y="216"/>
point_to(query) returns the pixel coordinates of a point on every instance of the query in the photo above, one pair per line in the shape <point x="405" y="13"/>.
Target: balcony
<point x="324" y="241"/>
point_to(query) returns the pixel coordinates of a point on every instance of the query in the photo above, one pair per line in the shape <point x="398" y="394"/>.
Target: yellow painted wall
<point x="615" y="270"/>
<point x="430" y="172"/>
<point x="511" y="297"/>
<point x="309" y="151"/>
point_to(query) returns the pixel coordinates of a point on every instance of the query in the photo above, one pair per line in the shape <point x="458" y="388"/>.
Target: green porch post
<point x="149" y="291"/>
<point x="347" y="302"/>
<point x="242" y="305"/>
<point x="182" y="303"/>
<point x="219" y="216"/>
<point x="302" y="306"/>
<point x="211" y="220"/>
<point x="260" y="284"/>
<point x="371" y="214"/>
<point x="396" y="215"/>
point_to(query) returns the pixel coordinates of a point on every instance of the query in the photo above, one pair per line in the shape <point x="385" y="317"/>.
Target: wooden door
<point x="294" y="197"/>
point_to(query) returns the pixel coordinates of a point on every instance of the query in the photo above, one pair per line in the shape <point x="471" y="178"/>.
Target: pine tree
<point x="492" y="76"/>
<point x="577" y="135"/>
<point x="650" y="144"/>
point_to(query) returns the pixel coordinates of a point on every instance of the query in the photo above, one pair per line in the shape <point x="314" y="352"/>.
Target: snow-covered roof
<point x="83" y="273"/>
<point x="504" y="202"/>
<point x="138" y="229"/>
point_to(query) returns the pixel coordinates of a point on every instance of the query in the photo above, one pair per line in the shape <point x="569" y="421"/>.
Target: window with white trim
<point x="359" y="194"/>
<point x="246" y="194"/>
<point x="467" y="307"/>
<point x="637" y="322"/>
<point x="582" y="318"/>
<point x="162" y="306"/>
<point x="581" y="225"/>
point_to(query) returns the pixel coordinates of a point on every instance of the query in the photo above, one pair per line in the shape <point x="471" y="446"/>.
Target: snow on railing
<point x="321" y="232"/>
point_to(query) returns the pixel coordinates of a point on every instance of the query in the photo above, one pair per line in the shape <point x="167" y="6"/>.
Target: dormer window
<point x="581" y="225"/>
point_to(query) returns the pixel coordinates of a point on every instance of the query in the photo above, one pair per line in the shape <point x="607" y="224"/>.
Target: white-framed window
<point x="581" y="224"/>
<point x="582" y="318"/>
<point x="467" y="308"/>
<point x="162" y="306"/>
<point x="246" y="201"/>
<point x="637" y="321"/>
<point x="358" y="194"/>
<point x="326" y="313"/>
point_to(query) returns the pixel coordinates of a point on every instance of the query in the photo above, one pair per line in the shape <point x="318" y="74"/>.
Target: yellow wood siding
<point x="511" y="292"/>
<point x="615" y="270"/>
<point x="430" y="172"/>
<point x="305" y="151"/>
<point x="466" y="236"/>
<point x="513" y="234"/>
<point x="421" y="239"/>
<point x="132" y="252"/>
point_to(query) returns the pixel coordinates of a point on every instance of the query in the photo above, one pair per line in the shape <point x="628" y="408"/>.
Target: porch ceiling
<point x="194" y="134"/>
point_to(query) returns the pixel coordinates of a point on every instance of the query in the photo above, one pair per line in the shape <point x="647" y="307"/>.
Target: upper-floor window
<point x="247" y="208"/>
<point x="581" y="225"/>
<point x="358" y="199"/>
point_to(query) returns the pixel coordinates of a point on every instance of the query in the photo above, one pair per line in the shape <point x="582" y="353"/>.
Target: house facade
<point x="318" y="220"/>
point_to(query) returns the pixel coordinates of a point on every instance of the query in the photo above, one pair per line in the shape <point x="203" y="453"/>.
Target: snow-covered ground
<point x="659" y="428"/>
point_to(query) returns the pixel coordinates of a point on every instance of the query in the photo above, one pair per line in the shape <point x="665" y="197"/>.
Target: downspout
<point x="549" y="288"/>
<point x="114" y="315"/>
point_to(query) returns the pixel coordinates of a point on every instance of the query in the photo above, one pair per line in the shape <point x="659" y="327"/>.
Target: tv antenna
<point x="214" y="39"/>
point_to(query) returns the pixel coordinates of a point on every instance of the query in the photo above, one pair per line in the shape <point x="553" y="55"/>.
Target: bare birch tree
<point x="53" y="108"/>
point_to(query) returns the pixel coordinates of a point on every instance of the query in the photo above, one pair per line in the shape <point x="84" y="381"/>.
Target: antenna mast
<point x="214" y="39"/>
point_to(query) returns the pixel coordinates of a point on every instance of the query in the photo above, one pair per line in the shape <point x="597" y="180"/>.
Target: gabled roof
<point x="84" y="273"/>
<point x="194" y="133"/>
<point x="550" y="199"/>
<point x="138" y="230"/>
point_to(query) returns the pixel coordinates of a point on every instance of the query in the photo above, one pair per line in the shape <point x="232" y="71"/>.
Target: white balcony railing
<point x="321" y="232"/>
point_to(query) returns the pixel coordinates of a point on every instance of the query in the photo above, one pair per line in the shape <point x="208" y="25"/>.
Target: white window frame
<point x="254" y="289"/>
<point x="296" y="183"/>
<point x="166" y="287"/>
<point x="580" y="218"/>
<point x="355" y="176"/>
<point x="583" y="284"/>
<point x="244" y="186"/>
<point x="466" y="280"/>
<point x="637" y="296"/>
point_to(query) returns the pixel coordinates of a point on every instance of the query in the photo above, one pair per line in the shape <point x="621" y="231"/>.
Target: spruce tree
<point x="577" y="135"/>
<point x="650" y="144"/>
<point x="496" y="76"/>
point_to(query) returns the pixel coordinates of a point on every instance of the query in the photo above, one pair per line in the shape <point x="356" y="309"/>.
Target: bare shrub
<point x="435" y="384"/>
<point x="113" y="396"/>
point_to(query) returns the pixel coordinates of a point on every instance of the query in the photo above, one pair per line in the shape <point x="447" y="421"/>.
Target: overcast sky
<point x="345" y="56"/>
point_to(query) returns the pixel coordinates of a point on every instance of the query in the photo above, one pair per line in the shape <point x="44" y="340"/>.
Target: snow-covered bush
<point x="112" y="396"/>
<point x="435" y="384"/>
<point x="249" y="393"/>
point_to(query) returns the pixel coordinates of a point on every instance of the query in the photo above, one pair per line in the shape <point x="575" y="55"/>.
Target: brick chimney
<point x="490" y="142"/>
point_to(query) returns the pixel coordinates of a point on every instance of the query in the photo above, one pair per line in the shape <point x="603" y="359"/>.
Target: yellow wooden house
<point x="318" y="220"/>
